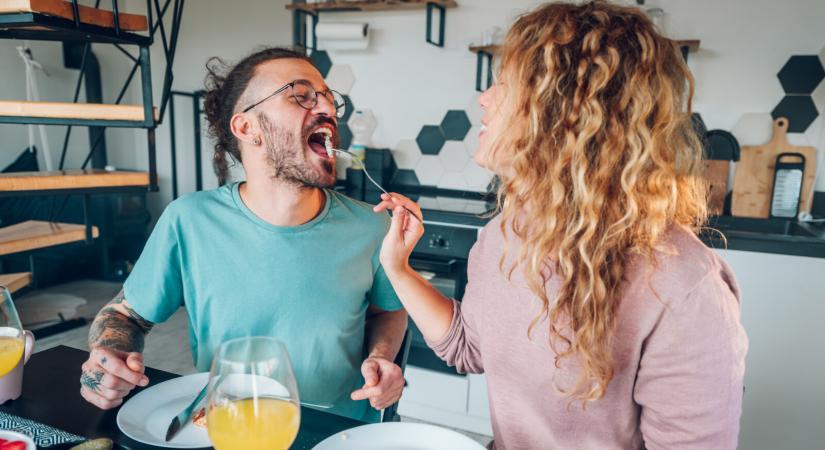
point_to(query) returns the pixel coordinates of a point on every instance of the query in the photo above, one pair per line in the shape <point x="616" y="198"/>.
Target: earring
<point x="257" y="141"/>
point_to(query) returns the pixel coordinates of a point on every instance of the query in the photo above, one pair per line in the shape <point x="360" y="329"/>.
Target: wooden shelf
<point x="64" y="10"/>
<point x="489" y="49"/>
<point x="35" y="234"/>
<point x="384" y="5"/>
<point x="691" y="44"/>
<point x="70" y="179"/>
<point x="15" y="281"/>
<point x="67" y="110"/>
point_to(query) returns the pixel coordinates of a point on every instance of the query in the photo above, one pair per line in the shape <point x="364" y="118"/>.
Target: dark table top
<point x="51" y="395"/>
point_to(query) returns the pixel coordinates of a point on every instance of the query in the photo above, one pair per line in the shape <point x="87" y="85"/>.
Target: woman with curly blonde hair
<point x="598" y="316"/>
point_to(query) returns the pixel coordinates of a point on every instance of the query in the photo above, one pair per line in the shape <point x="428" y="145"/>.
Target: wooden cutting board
<point x="753" y="182"/>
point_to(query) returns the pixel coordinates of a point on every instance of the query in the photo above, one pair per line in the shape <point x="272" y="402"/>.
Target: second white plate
<point x="398" y="436"/>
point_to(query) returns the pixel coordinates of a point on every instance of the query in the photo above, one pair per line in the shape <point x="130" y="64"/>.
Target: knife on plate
<point x="186" y="415"/>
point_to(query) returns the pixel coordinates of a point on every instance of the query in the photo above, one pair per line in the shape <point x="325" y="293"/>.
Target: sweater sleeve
<point x="460" y="347"/>
<point x="690" y="378"/>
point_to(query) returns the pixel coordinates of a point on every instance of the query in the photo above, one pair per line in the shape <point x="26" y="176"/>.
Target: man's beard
<point x="287" y="158"/>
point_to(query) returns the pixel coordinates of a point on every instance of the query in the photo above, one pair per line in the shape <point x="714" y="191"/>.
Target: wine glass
<point x="12" y="338"/>
<point x="253" y="398"/>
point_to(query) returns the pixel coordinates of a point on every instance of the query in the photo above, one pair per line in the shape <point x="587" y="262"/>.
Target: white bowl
<point x="15" y="436"/>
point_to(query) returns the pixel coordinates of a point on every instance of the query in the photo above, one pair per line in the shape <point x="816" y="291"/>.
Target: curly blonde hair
<point x="601" y="160"/>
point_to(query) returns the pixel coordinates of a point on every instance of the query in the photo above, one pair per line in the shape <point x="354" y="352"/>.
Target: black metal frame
<point x="73" y="30"/>
<point x="442" y="15"/>
<point x="481" y="57"/>
<point x="302" y="34"/>
<point x="48" y="28"/>
<point x="197" y="110"/>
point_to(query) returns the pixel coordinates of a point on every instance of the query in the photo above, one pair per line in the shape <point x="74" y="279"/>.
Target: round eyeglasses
<point x="307" y="97"/>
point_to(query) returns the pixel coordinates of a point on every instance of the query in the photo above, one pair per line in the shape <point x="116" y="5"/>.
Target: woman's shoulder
<point x="682" y="263"/>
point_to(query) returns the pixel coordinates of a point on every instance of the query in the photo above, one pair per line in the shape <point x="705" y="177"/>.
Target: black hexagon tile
<point x="344" y="136"/>
<point x="430" y="139"/>
<point x="322" y="62"/>
<point x="799" y="110"/>
<point x="350" y="109"/>
<point x="455" y="125"/>
<point x="406" y="177"/>
<point x="801" y="74"/>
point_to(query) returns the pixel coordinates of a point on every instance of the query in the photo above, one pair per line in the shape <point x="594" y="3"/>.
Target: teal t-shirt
<point x="237" y="275"/>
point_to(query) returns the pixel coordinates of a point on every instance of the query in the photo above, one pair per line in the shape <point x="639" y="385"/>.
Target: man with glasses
<point x="280" y="254"/>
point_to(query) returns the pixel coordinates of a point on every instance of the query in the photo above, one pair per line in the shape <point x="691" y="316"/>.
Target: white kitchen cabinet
<point x="448" y="400"/>
<point x="783" y="312"/>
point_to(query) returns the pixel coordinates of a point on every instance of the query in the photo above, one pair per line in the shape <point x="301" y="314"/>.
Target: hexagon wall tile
<point x="455" y="125"/>
<point x="474" y="111"/>
<point x="321" y="61"/>
<point x="818" y="97"/>
<point x="341" y="78"/>
<point x="753" y="129"/>
<point x="801" y="74"/>
<point x="406" y="154"/>
<point x="799" y="139"/>
<point x="471" y="141"/>
<point x="429" y="170"/>
<point x="350" y="109"/>
<point x="430" y="139"/>
<point x="345" y="136"/>
<point x="478" y="178"/>
<point x="453" y="180"/>
<point x="453" y="156"/>
<point x="800" y="111"/>
<point x="405" y="177"/>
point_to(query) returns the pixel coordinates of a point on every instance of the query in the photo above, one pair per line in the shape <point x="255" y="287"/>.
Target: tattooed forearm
<point x="91" y="381"/>
<point x="118" y="326"/>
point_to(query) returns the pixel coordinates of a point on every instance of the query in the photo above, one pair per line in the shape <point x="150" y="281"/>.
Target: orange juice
<point x="262" y="424"/>
<point x="11" y="350"/>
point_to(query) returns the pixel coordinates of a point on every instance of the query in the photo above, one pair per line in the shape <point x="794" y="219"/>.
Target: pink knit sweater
<point x="679" y="355"/>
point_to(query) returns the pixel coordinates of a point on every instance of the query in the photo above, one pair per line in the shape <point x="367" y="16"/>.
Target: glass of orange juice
<point x="253" y="398"/>
<point x="12" y="339"/>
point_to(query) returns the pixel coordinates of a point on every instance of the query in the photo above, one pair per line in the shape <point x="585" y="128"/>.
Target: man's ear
<point x="245" y="129"/>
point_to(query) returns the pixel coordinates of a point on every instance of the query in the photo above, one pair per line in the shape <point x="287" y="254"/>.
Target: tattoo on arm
<point x="91" y="382"/>
<point x="119" y="327"/>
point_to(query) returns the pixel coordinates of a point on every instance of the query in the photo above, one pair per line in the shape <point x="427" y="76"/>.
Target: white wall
<point x="408" y="83"/>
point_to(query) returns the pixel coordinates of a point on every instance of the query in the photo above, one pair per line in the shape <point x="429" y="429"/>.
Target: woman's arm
<point x="431" y="311"/>
<point x="689" y="381"/>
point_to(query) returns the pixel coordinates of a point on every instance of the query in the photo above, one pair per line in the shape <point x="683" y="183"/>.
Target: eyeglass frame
<point x="291" y="84"/>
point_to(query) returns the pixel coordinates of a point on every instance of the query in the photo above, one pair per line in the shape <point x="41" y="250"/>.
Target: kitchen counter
<point x="775" y="236"/>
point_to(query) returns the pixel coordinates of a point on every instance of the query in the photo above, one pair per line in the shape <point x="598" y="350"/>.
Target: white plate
<point x="398" y="436"/>
<point x="146" y="416"/>
<point x="15" y="436"/>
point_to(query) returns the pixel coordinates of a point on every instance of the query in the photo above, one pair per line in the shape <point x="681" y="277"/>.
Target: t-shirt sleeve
<point x="154" y="289"/>
<point x="382" y="295"/>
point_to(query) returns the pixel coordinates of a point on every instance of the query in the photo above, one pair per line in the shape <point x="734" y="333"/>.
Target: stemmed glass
<point x="253" y="397"/>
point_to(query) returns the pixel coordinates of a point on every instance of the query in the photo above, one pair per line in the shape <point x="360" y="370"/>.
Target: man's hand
<point x="109" y="375"/>
<point x="383" y="385"/>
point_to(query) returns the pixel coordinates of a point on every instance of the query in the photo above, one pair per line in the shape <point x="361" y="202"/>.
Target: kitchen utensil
<point x="753" y="182"/>
<point x="787" y="185"/>
<point x="721" y="148"/>
<point x="183" y="418"/>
